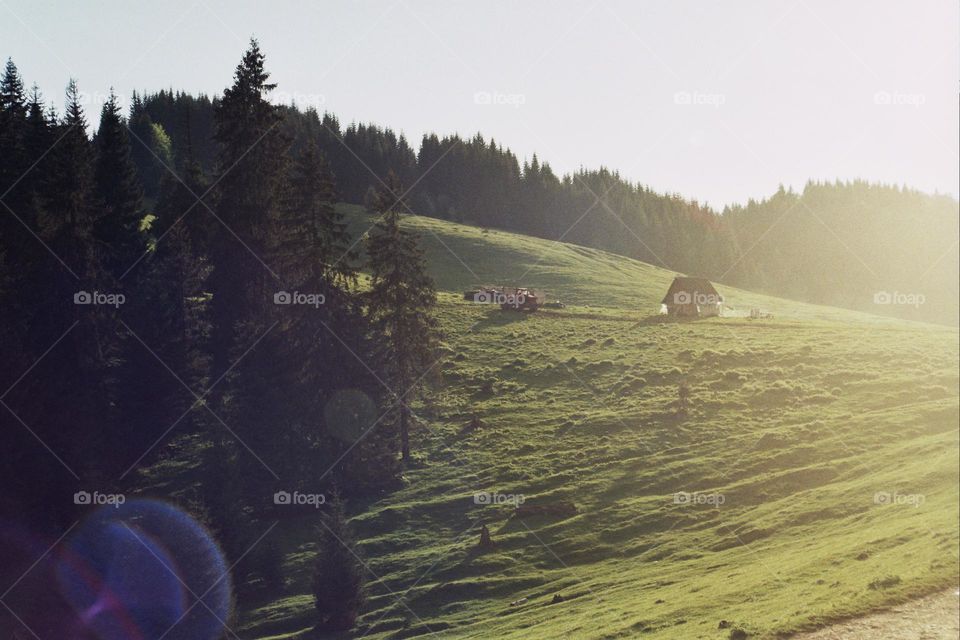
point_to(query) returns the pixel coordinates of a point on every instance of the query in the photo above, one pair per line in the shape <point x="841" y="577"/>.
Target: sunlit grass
<point x="820" y="429"/>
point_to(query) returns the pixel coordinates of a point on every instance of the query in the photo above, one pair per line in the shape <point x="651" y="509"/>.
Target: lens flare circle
<point x="145" y="569"/>
<point x="349" y="414"/>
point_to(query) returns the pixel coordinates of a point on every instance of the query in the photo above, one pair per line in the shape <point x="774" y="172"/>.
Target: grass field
<point x="820" y="451"/>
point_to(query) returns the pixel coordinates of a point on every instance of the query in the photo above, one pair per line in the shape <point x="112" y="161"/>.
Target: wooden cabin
<point x="692" y="297"/>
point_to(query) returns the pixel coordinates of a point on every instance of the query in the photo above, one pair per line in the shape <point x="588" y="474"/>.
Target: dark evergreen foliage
<point x="197" y="351"/>
<point x="400" y="302"/>
<point x="338" y="582"/>
<point x="118" y="189"/>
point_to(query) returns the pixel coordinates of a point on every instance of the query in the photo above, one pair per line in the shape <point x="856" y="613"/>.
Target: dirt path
<point x="935" y="617"/>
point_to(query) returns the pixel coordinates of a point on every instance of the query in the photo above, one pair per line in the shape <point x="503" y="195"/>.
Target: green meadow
<point x="813" y="477"/>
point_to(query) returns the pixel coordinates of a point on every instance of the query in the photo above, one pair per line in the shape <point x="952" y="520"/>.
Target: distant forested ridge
<point x="835" y="243"/>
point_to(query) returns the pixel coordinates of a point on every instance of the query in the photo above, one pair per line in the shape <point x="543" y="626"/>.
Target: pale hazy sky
<point x="719" y="101"/>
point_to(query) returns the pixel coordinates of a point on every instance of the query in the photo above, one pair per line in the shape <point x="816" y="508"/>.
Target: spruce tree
<point x="18" y="290"/>
<point x="316" y="244"/>
<point x="172" y="315"/>
<point x="68" y="205"/>
<point x="338" y="583"/>
<point x="251" y="163"/>
<point x="400" y="303"/>
<point x="13" y="118"/>
<point x="13" y="163"/>
<point x="12" y="96"/>
<point x="142" y="149"/>
<point x="118" y="188"/>
<point x="315" y="254"/>
<point x="75" y="407"/>
<point x="37" y="137"/>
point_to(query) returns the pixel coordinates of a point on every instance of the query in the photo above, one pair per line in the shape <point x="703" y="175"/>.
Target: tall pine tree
<point x="251" y="164"/>
<point x="118" y="188"/>
<point x="338" y="585"/>
<point x="400" y="303"/>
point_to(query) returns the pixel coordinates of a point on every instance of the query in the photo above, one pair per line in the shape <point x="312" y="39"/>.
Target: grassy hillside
<point x="821" y="446"/>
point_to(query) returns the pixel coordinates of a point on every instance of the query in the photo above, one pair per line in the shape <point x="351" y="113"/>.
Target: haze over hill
<point x="876" y="248"/>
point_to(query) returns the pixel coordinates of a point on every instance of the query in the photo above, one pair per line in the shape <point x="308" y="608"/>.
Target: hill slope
<point x="837" y="243"/>
<point x="821" y="449"/>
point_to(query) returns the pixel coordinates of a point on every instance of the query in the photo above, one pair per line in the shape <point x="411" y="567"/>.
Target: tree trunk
<point x="404" y="432"/>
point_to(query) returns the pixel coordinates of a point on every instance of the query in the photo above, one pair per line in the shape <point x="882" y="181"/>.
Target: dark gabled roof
<point x="696" y="287"/>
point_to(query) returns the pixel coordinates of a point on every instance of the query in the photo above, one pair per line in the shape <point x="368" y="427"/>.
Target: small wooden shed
<point x="692" y="297"/>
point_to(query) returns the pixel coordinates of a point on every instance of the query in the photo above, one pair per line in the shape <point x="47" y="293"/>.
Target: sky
<point x="717" y="101"/>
